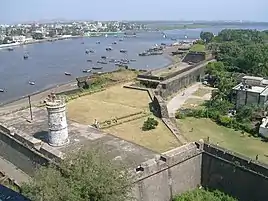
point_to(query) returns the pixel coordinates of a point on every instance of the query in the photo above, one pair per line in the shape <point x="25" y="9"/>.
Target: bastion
<point x="26" y="143"/>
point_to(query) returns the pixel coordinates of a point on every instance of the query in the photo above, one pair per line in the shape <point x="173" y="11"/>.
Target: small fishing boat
<point x="144" y="54"/>
<point x="2" y="90"/>
<point x="103" y="57"/>
<point x="120" y="39"/>
<point x="91" y="51"/>
<point x="87" y="70"/>
<point x="112" y="60"/>
<point x="31" y="83"/>
<point x="102" y="62"/>
<point x="114" y="43"/>
<point x="123" y="51"/>
<point x="124" y="60"/>
<point x="98" y="42"/>
<point x="109" y="49"/>
<point x="10" y="49"/>
<point x="97" y="67"/>
<point x="132" y="60"/>
<point x="106" y="35"/>
<point x="87" y="51"/>
<point x="89" y="60"/>
<point x="66" y="73"/>
<point x="26" y="56"/>
<point x="82" y="43"/>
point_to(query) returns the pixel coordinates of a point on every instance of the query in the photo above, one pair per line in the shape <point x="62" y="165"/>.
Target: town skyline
<point x="169" y="10"/>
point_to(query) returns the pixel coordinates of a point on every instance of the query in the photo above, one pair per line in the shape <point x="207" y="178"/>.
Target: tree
<point x="206" y="36"/>
<point x="85" y="176"/>
<point x="149" y="124"/>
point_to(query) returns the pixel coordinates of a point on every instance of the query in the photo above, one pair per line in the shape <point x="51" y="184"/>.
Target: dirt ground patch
<point x="115" y="101"/>
<point x="202" y="91"/>
<point x="192" y="103"/>
<point x="159" y="139"/>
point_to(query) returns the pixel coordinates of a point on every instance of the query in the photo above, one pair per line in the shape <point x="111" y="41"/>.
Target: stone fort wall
<point x="170" y="173"/>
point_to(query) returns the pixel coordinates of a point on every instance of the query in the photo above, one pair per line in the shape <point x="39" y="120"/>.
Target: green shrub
<point x="149" y="124"/>
<point x="225" y="121"/>
<point x="180" y="115"/>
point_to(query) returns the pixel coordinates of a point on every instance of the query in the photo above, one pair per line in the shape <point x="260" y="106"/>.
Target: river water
<point x="48" y="61"/>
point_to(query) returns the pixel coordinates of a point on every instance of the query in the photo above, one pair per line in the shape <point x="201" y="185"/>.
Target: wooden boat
<point x="26" y="56"/>
<point x="123" y="51"/>
<point x="109" y="49"/>
<point x="31" y="83"/>
<point x="87" y="70"/>
<point x="97" y="67"/>
<point x="98" y="42"/>
<point x="102" y="62"/>
<point x="89" y="60"/>
<point x="103" y="57"/>
<point x="66" y="73"/>
<point x="87" y="51"/>
<point x="114" y="43"/>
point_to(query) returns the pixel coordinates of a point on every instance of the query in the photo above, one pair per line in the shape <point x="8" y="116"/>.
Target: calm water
<point x="48" y="61"/>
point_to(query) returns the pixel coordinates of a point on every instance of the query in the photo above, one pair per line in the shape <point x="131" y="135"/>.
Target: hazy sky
<point x="30" y="10"/>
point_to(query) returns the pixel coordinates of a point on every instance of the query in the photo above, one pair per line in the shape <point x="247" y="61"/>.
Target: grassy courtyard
<point x="198" y="48"/>
<point x="225" y="137"/>
<point x="115" y="101"/>
<point x="159" y="139"/>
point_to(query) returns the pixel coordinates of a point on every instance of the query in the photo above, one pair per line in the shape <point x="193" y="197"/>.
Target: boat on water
<point x="2" y="90"/>
<point x="89" y="60"/>
<point x="10" y="49"/>
<point x="87" y="51"/>
<point x="26" y="56"/>
<point x="102" y="62"/>
<point x="91" y="51"/>
<point x="106" y="35"/>
<point x="87" y="70"/>
<point x="120" y="39"/>
<point x="82" y="43"/>
<point x="144" y="54"/>
<point x="114" y="43"/>
<point x="132" y="60"/>
<point x="173" y="39"/>
<point x="66" y="73"/>
<point x="112" y="60"/>
<point x="103" y="57"/>
<point x="109" y="49"/>
<point x="31" y="83"/>
<point x="123" y="51"/>
<point x="97" y="67"/>
<point x="98" y="42"/>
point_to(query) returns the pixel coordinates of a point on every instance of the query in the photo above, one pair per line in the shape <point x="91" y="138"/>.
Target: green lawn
<point x="225" y="137"/>
<point x="198" y="48"/>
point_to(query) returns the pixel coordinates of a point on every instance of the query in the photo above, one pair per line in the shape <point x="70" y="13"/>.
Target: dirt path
<point x="177" y="101"/>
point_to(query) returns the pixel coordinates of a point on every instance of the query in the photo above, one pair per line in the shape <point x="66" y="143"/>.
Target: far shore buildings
<point x="251" y="91"/>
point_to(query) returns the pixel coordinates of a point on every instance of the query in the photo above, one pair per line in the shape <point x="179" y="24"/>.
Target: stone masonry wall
<point x="234" y="174"/>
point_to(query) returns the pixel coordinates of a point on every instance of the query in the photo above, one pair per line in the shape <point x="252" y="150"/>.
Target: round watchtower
<point x="57" y="123"/>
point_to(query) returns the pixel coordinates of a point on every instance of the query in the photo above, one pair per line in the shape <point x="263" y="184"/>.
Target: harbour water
<point x="48" y="61"/>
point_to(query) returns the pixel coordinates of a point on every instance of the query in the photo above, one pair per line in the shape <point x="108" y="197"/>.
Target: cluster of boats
<point x="156" y="50"/>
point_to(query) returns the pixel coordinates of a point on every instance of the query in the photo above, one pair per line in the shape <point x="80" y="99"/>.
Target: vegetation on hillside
<point x="87" y="175"/>
<point x="204" y="195"/>
<point x="238" y="52"/>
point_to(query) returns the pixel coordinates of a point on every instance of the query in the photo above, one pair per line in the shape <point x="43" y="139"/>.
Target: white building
<point x="263" y="130"/>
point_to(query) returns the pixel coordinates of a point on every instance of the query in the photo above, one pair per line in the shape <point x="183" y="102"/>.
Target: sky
<point x="16" y="11"/>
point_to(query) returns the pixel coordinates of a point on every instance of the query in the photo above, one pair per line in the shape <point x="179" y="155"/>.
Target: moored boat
<point x="123" y="51"/>
<point x="89" y="60"/>
<point x="31" y="83"/>
<point x="132" y="60"/>
<point x="109" y="49"/>
<point x="87" y="70"/>
<point x="103" y="57"/>
<point x="66" y="73"/>
<point x="2" y="90"/>
<point x="102" y="62"/>
<point x="10" y="49"/>
<point x="98" y="42"/>
<point x="87" y="51"/>
<point x="114" y="43"/>
<point x="97" y="67"/>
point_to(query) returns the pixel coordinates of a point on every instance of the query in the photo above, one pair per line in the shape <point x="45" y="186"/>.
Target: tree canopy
<point x="85" y="176"/>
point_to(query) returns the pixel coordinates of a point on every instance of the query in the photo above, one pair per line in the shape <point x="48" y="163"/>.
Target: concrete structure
<point x="57" y="123"/>
<point x="263" y="129"/>
<point x="252" y="90"/>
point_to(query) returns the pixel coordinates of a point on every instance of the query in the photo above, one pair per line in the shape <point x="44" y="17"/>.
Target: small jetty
<point x="87" y="70"/>
<point x="123" y="51"/>
<point x="68" y="74"/>
<point x="31" y="83"/>
<point x="97" y="67"/>
<point x="109" y="49"/>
